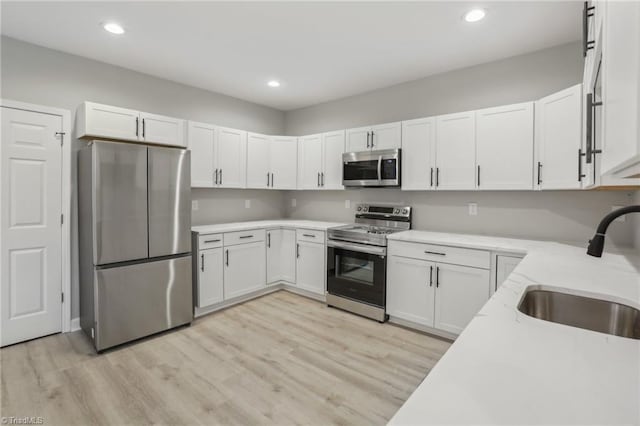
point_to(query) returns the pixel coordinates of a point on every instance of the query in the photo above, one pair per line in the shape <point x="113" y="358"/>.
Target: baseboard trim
<point x="422" y="328"/>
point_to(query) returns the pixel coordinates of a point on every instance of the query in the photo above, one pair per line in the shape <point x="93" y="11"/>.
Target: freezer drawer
<point x="169" y="201"/>
<point x="141" y="299"/>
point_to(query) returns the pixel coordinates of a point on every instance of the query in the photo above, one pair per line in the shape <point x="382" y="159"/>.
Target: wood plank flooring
<point x="278" y="360"/>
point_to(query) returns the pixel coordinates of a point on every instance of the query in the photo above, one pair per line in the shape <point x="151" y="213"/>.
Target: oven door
<point x="356" y="274"/>
<point x="371" y="168"/>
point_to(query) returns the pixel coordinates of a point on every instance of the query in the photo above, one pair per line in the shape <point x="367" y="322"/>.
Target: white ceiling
<point x="318" y="50"/>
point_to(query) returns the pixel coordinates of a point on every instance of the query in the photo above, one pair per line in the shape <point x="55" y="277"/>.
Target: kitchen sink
<point x="583" y="312"/>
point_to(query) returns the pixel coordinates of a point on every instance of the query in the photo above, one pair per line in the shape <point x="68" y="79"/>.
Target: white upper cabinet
<point x="504" y="147"/>
<point x="162" y="130"/>
<point x="218" y="156"/>
<point x="418" y="154"/>
<point x="558" y="140"/>
<point x="320" y="161"/>
<point x="456" y="151"/>
<point x="309" y="161"/>
<point x="283" y="151"/>
<point x="271" y="161"/>
<point x="109" y="122"/>
<point x="381" y="136"/>
<point x="202" y="142"/>
<point x="332" y="150"/>
<point x="621" y="88"/>
<point x="258" y="172"/>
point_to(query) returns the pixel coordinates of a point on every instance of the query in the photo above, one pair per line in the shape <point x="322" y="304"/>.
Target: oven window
<point x="361" y="170"/>
<point x="354" y="269"/>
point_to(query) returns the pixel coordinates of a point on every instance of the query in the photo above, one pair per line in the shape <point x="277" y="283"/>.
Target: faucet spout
<point x="596" y="244"/>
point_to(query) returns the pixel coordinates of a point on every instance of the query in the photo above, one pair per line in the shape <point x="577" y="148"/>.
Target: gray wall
<point x="518" y="79"/>
<point x="550" y="215"/>
<point x="43" y="76"/>
<point x="636" y="223"/>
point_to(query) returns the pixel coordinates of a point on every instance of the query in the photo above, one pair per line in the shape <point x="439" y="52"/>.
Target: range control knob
<point x="405" y="211"/>
<point x="359" y="208"/>
<point x="396" y="211"/>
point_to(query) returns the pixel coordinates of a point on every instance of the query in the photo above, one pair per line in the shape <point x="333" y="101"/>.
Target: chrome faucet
<point x="596" y="244"/>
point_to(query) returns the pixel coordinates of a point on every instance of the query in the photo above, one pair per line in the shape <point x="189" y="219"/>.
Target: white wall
<point x="554" y="215"/>
<point x="43" y="76"/>
<point x="517" y="79"/>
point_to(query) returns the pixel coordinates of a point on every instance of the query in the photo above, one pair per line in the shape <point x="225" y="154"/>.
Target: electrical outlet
<point x="620" y="218"/>
<point x="347" y="204"/>
<point x="293" y="202"/>
<point x="194" y="204"/>
<point x="247" y="204"/>
<point x="473" y="209"/>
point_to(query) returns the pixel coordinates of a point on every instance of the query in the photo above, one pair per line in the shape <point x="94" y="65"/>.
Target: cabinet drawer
<point x="441" y="254"/>
<point x="209" y="241"/>
<point x="310" y="235"/>
<point x="242" y="237"/>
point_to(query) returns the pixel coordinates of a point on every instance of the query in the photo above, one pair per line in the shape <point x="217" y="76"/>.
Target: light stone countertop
<point x="264" y="224"/>
<point x="508" y="368"/>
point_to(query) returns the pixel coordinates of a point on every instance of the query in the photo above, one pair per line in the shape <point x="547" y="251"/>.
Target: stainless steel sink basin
<point x="582" y="312"/>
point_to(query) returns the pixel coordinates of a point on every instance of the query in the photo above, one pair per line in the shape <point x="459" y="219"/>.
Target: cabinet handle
<point x="590" y="149"/>
<point x="211" y="241"/>
<point x="227" y="255"/>
<point x="478" y="175"/>
<point x="431" y="177"/>
<point x="220" y="176"/>
<point x="272" y="180"/>
<point x="137" y="122"/>
<point x="267" y="179"/>
<point x="431" y="276"/>
<point x="297" y="251"/>
<point x="318" y="179"/>
<point x="202" y="262"/>
<point x="435" y="252"/>
<point x="437" y="176"/>
<point x="269" y="240"/>
<point x="216" y="178"/>
<point x="580" y="174"/>
<point x="437" y="276"/>
<point x="372" y="144"/>
<point x="587" y="12"/>
<point x="322" y="178"/>
<point x="368" y="139"/>
<point x="246" y="236"/>
<point x="143" y="128"/>
<point x="539" y="173"/>
<point x="309" y="235"/>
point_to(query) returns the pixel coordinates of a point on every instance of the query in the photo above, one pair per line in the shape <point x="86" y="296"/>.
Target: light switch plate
<point x="347" y="204"/>
<point x="194" y="204"/>
<point x="473" y="209"/>
<point x="247" y="204"/>
<point x="293" y="202"/>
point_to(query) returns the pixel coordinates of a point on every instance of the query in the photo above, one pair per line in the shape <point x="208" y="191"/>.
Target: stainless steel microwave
<point x="371" y="168"/>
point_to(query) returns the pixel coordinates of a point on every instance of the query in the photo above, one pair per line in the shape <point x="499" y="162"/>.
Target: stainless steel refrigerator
<point x="134" y="240"/>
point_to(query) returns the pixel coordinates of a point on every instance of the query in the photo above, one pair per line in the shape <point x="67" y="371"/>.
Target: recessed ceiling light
<point x="474" y="15"/>
<point x="113" y="28"/>
<point x="273" y="83"/>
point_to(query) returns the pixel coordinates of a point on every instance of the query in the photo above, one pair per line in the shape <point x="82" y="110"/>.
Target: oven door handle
<point x="362" y="248"/>
<point x="379" y="167"/>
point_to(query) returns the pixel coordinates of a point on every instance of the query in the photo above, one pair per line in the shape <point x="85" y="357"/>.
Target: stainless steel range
<point x="357" y="259"/>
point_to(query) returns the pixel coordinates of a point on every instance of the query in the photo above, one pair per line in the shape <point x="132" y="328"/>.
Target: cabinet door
<point x="460" y="293"/>
<point x="231" y="158"/>
<point x="504" y="267"/>
<point x="245" y="269"/>
<point x="210" y="277"/>
<point x="358" y="139"/>
<point x="332" y="150"/>
<point x="456" y="151"/>
<point x="558" y="139"/>
<point x="110" y="122"/>
<point x="418" y="154"/>
<point x="258" y="173"/>
<point x="310" y="267"/>
<point x="162" y="130"/>
<point x="386" y="136"/>
<point x="309" y="162"/>
<point x="411" y="289"/>
<point x="283" y="162"/>
<point x="504" y="147"/>
<point x="281" y="256"/>
<point x="201" y="140"/>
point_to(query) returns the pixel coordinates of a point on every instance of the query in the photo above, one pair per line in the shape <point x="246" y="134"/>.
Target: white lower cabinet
<point x="460" y="293"/>
<point x="410" y="289"/>
<point x="434" y="294"/>
<point x="310" y="264"/>
<point x="504" y="267"/>
<point x="281" y="256"/>
<point x="210" y="277"/>
<point x="244" y="269"/>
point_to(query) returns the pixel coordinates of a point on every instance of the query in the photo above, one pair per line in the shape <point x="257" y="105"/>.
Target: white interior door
<point x="333" y="148"/>
<point x="31" y="227"/>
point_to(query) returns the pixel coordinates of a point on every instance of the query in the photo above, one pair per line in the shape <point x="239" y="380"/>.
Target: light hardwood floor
<point x="277" y="360"/>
